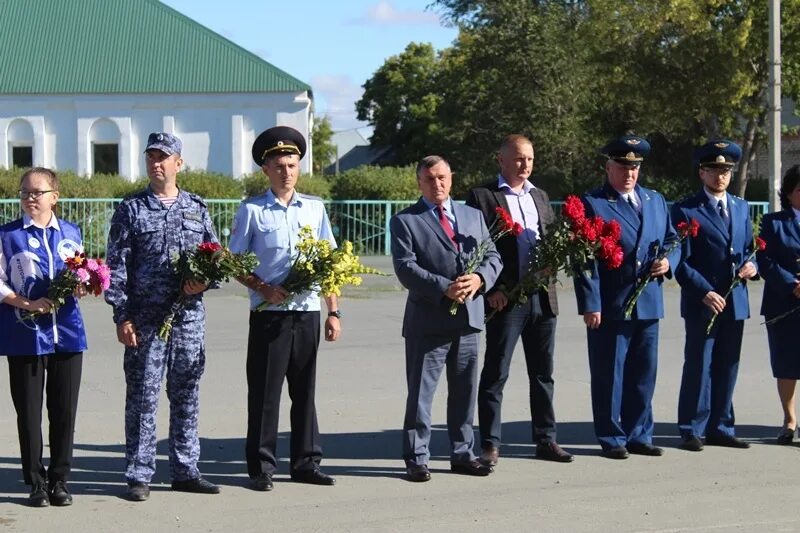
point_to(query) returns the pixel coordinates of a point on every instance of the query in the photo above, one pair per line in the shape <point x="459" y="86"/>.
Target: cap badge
<point x="160" y="137"/>
<point x="720" y="159"/>
<point x="633" y="142"/>
<point x="279" y="143"/>
<point x="630" y="156"/>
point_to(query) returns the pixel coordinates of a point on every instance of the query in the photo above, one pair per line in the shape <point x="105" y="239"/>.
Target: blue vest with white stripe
<point x="32" y="258"/>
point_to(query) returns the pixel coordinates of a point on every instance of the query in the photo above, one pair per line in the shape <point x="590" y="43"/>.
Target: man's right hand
<point x="714" y="301"/>
<point x="126" y="334"/>
<point x="273" y="294"/>
<point x="592" y="320"/>
<point x="497" y="300"/>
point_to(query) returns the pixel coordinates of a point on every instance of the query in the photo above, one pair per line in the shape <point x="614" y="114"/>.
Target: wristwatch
<point x="337" y="313"/>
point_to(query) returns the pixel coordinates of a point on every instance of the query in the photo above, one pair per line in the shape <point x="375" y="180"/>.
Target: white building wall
<point x="217" y="130"/>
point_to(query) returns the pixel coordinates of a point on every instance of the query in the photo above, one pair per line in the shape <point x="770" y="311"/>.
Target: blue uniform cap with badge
<point x="280" y="140"/>
<point x="718" y="154"/>
<point x="165" y="142"/>
<point x="628" y="150"/>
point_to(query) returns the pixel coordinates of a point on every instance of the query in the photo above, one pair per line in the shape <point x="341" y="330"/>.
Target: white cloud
<point x="335" y="96"/>
<point x="385" y="13"/>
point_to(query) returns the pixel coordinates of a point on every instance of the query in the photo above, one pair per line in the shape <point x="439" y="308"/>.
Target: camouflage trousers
<point x="181" y="360"/>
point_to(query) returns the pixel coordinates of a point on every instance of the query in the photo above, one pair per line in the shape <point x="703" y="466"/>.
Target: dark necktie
<point x="446" y="226"/>
<point x="633" y="206"/>
<point x="723" y="213"/>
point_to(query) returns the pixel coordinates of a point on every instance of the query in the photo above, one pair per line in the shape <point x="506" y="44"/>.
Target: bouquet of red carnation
<point x="503" y="225"/>
<point x="208" y="263"/>
<point x="758" y="246"/>
<point x="93" y="274"/>
<point x="572" y="241"/>
<point x="684" y="229"/>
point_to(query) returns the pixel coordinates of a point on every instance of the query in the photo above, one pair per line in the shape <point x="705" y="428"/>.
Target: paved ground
<point x="361" y="394"/>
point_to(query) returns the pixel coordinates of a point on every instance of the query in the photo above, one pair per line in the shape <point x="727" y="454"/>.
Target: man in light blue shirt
<point x="284" y="337"/>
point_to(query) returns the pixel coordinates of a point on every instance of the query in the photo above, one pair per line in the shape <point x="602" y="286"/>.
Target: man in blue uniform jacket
<point x="709" y="264"/>
<point x="623" y="352"/>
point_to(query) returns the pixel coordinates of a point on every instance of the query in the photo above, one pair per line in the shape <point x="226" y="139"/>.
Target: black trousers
<point x="29" y="376"/>
<point x="282" y="345"/>
<point x="536" y="325"/>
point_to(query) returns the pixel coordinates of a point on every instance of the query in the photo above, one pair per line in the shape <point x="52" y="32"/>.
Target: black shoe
<point x="643" y="448"/>
<point x="490" y="455"/>
<point x="729" y="441"/>
<point x="59" y="495"/>
<point x="313" y="476"/>
<point x="38" y="496"/>
<point x="692" y="444"/>
<point x="418" y="473"/>
<point x="785" y="436"/>
<point x="472" y="468"/>
<point x="197" y="486"/>
<point x="550" y="451"/>
<point x="262" y="482"/>
<point x="617" y="452"/>
<point x="138" y="491"/>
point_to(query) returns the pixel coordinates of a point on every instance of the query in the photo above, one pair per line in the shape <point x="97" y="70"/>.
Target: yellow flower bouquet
<point x="317" y="266"/>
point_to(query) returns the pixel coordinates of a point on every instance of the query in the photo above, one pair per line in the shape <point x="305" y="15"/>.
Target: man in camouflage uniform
<point x="147" y="229"/>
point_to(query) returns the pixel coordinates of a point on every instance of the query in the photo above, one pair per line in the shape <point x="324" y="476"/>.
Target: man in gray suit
<point x="432" y="242"/>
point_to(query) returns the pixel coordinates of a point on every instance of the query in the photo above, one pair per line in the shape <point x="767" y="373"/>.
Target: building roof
<point x="362" y="155"/>
<point x="130" y="46"/>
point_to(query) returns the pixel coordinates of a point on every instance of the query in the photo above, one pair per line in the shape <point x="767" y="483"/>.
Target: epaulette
<point x="197" y="198"/>
<point x="309" y="197"/>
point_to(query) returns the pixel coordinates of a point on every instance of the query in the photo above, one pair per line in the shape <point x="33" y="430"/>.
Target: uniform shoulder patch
<point x="309" y="197"/>
<point x="197" y="199"/>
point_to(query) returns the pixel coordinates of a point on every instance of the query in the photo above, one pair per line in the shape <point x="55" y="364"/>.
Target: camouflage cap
<point x="165" y="142"/>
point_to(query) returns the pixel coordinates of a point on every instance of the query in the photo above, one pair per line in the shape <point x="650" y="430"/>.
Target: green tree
<point x="401" y="101"/>
<point x="324" y="151"/>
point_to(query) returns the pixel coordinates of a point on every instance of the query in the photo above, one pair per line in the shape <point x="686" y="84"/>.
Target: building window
<point x="22" y="156"/>
<point x="105" y="158"/>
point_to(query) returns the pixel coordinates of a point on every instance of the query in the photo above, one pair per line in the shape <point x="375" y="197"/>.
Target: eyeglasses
<point x="32" y="195"/>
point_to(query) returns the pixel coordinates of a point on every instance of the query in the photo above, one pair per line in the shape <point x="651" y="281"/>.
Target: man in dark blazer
<point x="709" y="263"/>
<point x="623" y="352"/>
<point x="534" y="321"/>
<point x="432" y="242"/>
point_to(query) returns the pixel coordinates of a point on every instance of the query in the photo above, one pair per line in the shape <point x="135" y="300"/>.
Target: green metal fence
<point x="363" y="222"/>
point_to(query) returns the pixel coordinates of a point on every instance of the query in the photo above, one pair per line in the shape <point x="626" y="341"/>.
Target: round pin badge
<point x="33" y="242"/>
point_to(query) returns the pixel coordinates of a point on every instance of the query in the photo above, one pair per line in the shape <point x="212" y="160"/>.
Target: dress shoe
<point x="692" y="444"/>
<point x="550" y="451"/>
<point x="729" y="441"/>
<point x="472" y="468"/>
<point x="262" y="482"/>
<point x="418" y="473"/>
<point x="313" y="477"/>
<point x="38" y="496"/>
<point x="643" y="448"/>
<point x="59" y="495"/>
<point x="617" y="452"/>
<point x="196" y="485"/>
<point x="785" y="436"/>
<point x="490" y="455"/>
<point x="138" y="491"/>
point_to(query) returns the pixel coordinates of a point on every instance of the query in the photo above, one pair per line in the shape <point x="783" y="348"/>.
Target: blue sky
<point x="333" y="46"/>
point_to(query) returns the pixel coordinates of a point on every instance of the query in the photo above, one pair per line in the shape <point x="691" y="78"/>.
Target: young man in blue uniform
<point x="709" y="264"/>
<point x="284" y="337"/>
<point x="147" y="228"/>
<point x="623" y="352"/>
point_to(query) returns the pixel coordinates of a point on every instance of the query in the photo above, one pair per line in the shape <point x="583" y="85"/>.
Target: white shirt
<point x="523" y="211"/>
<point x="715" y="201"/>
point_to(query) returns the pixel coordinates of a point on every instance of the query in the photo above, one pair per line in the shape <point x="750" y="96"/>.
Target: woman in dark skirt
<point x="779" y="265"/>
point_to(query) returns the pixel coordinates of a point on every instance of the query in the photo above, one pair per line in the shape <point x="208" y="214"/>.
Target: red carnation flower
<point x="612" y="230"/>
<point x="573" y="209"/>
<point x="516" y="229"/>
<point x="761" y="245"/>
<point x="208" y="247"/>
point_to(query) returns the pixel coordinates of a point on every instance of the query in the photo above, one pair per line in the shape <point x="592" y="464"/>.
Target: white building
<point x="83" y="82"/>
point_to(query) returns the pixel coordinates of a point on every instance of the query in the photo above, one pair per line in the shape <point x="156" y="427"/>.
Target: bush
<point x="376" y="183"/>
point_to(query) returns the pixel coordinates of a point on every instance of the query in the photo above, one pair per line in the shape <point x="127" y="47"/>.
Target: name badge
<point x="193" y="216"/>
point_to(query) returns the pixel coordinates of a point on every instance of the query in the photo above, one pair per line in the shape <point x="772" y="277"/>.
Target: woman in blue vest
<point x="779" y="265"/>
<point x="45" y="351"/>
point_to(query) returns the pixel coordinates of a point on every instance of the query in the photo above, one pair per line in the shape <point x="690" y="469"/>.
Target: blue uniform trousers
<point x="426" y="357"/>
<point x="538" y="332"/>
<point x="623" y="355"/>
<point x="181" y="360"/>
<point x="710" y="367"/>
